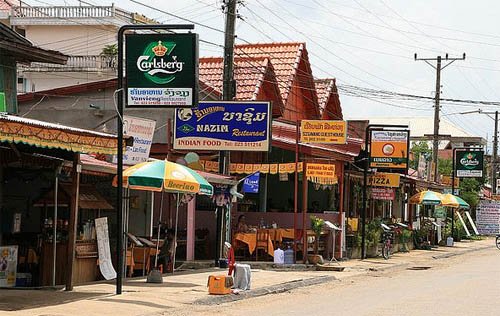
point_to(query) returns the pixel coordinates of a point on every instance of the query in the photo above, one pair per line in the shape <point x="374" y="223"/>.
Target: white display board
<point x="105" y="264"/>
<point x="142" y="130"/>
<point x="488" y="217"/>
<point x="8" y="266"/>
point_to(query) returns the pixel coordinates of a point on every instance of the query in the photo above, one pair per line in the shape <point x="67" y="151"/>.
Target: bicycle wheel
<point x="497" y="241"/>
<point x="386" y="250"/>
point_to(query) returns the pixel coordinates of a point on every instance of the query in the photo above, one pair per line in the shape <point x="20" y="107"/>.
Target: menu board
<point x="8" y="266"/>
<point x="488" y="217"/>
<point x="105" y="264"/>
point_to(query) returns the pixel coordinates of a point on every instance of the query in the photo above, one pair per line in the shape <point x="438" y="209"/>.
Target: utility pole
<point x="435" y="138"/>
<point x="228" y="94"/>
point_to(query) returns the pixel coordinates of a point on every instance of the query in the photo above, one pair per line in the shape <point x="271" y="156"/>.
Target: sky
<point x="367" y="44"/>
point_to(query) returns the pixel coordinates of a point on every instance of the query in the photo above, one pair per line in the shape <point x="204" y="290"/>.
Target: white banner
<point x="8" y="266"/>
<point x="105" y="264"/>
<point x="142" y="130"/>
<point x="488" y="217"/>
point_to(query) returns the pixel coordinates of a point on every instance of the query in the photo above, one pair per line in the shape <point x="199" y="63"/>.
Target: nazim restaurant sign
<point x="323" y="131"/>
<point x="224" y="125"/>
<point x="162" y="70"/>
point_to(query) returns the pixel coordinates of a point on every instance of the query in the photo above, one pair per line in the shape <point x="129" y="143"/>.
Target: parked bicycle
<point x="497" y="241"/>
<point x="387" y="238"/>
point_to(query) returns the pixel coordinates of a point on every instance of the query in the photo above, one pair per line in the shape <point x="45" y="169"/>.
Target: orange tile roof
<point x="328" y="98"/>
<point x="251" y="74"/>
<point x="292" y="68"/>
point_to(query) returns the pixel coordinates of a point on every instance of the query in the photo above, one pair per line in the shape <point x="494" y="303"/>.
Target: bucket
<point x="449" y="242"/>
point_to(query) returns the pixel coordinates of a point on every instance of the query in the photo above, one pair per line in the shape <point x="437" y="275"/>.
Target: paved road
<point x="464" y="285"/>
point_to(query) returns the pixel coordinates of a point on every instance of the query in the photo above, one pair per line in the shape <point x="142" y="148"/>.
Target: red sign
<point x="383" y="194"/>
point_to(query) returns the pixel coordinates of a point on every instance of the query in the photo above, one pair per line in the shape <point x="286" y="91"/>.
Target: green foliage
<point x="469" y="189"/>
<point x="459" y="232"/>
<point x="445" y="166"/>
<point x="419" y="148"/>
<point x="373" y="232"/>
<point x="405" y="236"/>
<point x="317" y="224"/>
<point x="110" y="50"/>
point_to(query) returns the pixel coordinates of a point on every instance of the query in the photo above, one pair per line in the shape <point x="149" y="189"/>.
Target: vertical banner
<point x="105" y="264"/>
<point x="469" y="162"/>
<point x="251" y="183"/>
<point x="8" y="266"/>
<point x="142" y="130"/>
<point x="389" y="149"/>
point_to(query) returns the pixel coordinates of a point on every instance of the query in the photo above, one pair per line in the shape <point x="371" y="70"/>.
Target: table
<point x="250" y="239"/>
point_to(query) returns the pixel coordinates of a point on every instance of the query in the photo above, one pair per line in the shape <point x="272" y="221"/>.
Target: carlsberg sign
<point x="469" y="162"/>
<point x="162" y="70"/>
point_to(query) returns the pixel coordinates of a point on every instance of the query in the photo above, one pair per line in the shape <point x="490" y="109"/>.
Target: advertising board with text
<point x="389" y="149"/>
<point x="386" y="194"/>
<point x="321" y="173"/>
<point x="384" y="180"/>
<point x="323" y="131"/>
<point x="142" y="130"/>
<point x="161" y="70"/>
<point x="224" y="125"/>
<point x="469" y="162"/>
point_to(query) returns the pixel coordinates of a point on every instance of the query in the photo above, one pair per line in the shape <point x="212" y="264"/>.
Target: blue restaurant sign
<point x="251" y="183"/>
<point x="224" y="125"/>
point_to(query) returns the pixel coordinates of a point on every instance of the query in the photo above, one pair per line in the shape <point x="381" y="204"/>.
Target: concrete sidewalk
<point x="189" y="287"/>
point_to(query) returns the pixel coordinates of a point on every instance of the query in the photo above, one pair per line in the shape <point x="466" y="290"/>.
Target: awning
<point x="217" y="178"/>
<point x="89" y="198"/>
<point x="16" y="129"/>
<point x="284" y="137"/>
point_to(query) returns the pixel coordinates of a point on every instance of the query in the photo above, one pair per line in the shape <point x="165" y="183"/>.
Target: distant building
<point x="81" y="32"/>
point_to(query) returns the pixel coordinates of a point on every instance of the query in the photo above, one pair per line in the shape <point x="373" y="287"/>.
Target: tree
<point x="110" y="50"/>
<point x="419" y="148"/>
<point x="445" y="166"/>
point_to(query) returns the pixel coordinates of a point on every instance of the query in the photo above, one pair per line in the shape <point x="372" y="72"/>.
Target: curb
<point x="453" y="254"/>
<point x="273" y="289"/>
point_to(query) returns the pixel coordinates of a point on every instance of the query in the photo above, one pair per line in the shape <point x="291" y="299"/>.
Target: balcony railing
<point x="69" y="13"/>
<point x="96" y="63"/>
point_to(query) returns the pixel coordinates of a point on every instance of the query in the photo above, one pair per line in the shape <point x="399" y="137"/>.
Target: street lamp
<point x="495" y="146"/>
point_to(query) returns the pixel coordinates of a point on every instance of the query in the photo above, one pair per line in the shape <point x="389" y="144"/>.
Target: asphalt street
<point x="463" y="285"/>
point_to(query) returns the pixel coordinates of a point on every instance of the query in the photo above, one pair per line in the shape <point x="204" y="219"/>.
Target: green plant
<point x="110" y="50"/>
<point x="404" y="238"/>
<point x="373" y="232"/>
<point x="317" y="227"/>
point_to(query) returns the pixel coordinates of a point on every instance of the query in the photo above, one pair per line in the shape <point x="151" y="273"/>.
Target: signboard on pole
<point x="380" y="179"/>
<point x="224" y="125"/>
<point x="389" y="149"/>
<point x="8" y="266"/>
<point x="323" y="131"/>
<point x="161" y="70"/>
<point x="251" y="183"/>
<point x="383" y="194"/>
<point x="469" y="162"/>
<point x="142" y="130"/>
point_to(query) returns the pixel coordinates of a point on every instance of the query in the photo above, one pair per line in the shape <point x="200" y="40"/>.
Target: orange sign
<point x="323" y="131"/>
<point x="321" y="173"/>
<point x="389" y="149"/>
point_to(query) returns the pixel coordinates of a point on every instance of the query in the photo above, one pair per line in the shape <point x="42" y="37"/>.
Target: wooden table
<point x="250" y="239"/>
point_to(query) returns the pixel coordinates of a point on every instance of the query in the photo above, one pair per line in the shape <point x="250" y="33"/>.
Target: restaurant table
<point x="250" y="239"/>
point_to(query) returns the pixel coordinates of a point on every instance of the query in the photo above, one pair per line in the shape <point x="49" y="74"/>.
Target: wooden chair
<point x="262" y="242"/>
<point x="141" y="259"/>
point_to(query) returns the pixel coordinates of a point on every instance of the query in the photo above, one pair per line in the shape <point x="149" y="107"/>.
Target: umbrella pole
<point x="159" y="226"/>
<point x="175" y="233"/>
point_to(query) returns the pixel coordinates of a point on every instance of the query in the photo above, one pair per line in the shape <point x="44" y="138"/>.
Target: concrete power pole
<point x="435" y="136"/>
<point x="495" y="153"/>
<point x="228" y="94"/>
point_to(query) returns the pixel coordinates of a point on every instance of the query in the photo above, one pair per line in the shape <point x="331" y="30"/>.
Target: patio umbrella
<point x="454" y="201"/>
<point x="427" y="198"/>
<point x="165" y="176"/>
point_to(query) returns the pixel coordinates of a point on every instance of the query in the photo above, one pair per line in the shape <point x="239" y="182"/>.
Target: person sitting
<point x="242" y="227"/>
<point x="167" y="250"/>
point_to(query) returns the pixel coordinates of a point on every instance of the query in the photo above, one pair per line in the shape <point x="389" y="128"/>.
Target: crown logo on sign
<point x="159" y="49"/>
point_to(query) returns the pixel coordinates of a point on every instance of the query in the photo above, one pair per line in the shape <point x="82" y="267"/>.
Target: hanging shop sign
<point x="469" y="162"/>
<point x="321" y="173"/>
<point x="8" y="266"/>
<point x="323" y="131"/>
<point x="105" y="263"/>
<point x="248" y="168"/>
<point x="389" y="149"/>
<point x="383" y="194"/>
<point x="384" y="180"/>
<point x="142" y="130"/>
<point x="251" y="183"/>
<point x="161" y="70"/>
<point x="223" y="125"/>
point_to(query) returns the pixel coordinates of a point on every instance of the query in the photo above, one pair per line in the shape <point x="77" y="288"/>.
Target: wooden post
<point x="73" y="218"/>
<point x="304" y="212"/>
<point x="341" y="209"/>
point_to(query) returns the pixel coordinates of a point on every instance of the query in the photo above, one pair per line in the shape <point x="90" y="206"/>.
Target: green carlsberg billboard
<point x="161" y="70"/>
<point x="469" y="163"/>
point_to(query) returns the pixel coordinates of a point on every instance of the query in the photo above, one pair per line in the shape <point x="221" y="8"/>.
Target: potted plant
<point x="317" y="227"/>
<point x="404" y="238"/>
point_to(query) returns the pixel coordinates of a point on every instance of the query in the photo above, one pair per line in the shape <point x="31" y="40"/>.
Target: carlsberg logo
<point x="157" y="63"/>
<point x="469" y="161"/>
